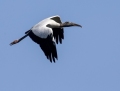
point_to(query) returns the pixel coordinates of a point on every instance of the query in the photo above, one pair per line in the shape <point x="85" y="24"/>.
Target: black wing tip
<point x="53" y="60"/>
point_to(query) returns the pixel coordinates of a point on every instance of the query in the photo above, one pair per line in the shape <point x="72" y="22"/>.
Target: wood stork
<point x="46" y="34"/>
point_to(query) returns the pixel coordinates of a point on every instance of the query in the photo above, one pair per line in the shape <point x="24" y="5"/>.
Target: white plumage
<point x="47" y="33"/>
<point x="41" y="30"/>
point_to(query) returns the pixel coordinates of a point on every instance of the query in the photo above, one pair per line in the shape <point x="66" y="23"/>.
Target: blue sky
<point x="89" y="58"/>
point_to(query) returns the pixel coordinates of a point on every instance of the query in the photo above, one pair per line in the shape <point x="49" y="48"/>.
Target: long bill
<point x="69" y="24"/>
<point x="17" y="41"/>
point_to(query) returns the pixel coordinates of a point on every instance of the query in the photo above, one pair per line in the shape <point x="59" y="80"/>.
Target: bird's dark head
<point x="69" y="24"/>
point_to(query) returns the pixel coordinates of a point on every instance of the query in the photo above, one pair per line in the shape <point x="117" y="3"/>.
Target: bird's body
<point x="42" y="34"/>
<point x="47" y="33"/>
<point x="43" y="29"/>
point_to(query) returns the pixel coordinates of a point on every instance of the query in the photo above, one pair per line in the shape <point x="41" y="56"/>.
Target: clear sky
<point x="88" y="59"/>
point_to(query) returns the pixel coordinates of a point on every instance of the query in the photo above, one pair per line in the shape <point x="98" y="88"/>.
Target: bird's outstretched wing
<point x="58" y="33"/>
<point x="47" y="45"/>
<point x="49" y="49"/>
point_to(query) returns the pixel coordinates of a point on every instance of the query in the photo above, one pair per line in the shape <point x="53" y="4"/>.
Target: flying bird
<point x="46" y="34"/>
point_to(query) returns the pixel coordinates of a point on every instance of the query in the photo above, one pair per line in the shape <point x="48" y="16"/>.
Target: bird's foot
<point x="14" y="42"/>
